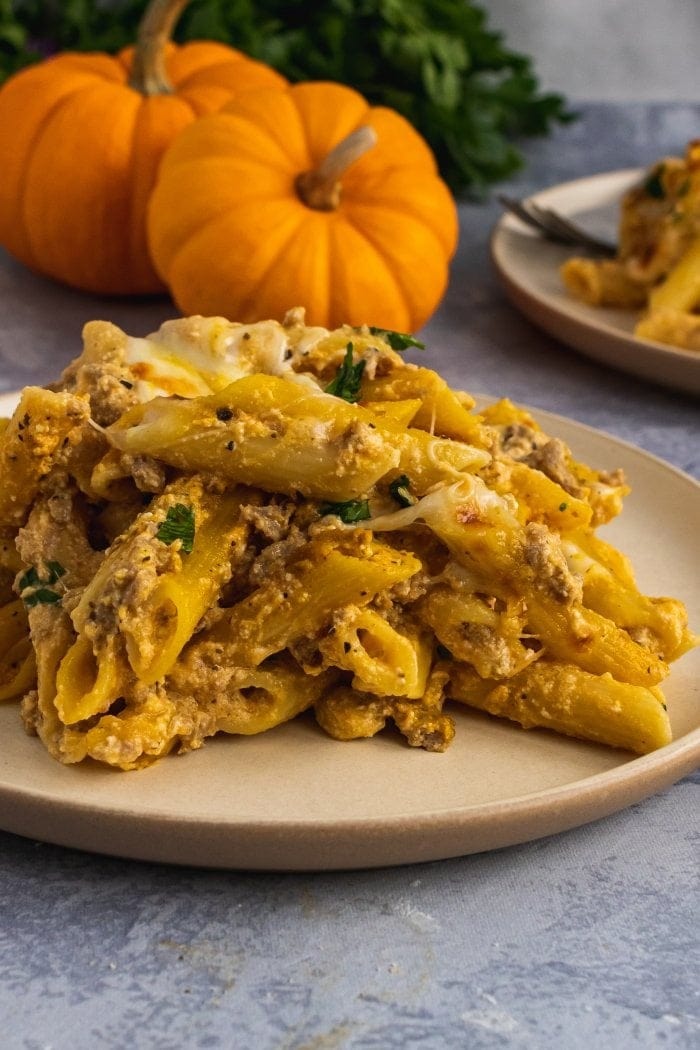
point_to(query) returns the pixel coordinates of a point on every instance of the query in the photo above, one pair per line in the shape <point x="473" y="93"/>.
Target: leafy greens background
<point x="436" y="61"/>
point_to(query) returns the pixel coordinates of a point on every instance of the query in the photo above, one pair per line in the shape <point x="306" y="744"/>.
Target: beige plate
<point x="293" y="799"/>
<point x="529" y="269"/>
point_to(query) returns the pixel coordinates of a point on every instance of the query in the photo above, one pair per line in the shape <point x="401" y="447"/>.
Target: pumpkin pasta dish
<point x="657" y="267"/>
<point x="218" y="527"/>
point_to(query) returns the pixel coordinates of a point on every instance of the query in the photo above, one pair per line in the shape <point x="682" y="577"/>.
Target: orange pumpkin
<point x="305" y="196"/>
<point x="81" y="137"/>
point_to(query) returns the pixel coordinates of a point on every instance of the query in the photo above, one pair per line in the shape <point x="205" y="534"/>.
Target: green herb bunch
<point x="435" y="61"/>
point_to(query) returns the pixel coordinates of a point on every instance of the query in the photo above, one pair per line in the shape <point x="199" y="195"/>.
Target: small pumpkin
<point x="81" y="137"/>
<point x="303" y="196"/>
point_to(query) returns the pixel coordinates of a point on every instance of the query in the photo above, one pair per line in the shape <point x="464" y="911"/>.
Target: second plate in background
<point x="528" y="267"/>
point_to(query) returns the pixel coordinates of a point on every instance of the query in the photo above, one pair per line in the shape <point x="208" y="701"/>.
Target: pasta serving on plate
<point x="657" y="267"/>
<point x="218" y="527"/>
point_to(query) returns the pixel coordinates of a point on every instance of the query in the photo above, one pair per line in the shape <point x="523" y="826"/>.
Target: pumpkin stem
<point x="148" y="73"/>
<point x="320" y="188"/>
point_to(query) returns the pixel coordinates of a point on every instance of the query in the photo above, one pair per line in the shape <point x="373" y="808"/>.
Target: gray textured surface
<point x="598" y="49"/>
<point x="588" y="937"/>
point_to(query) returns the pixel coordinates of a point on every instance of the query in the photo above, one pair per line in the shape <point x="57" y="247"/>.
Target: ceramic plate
<point x="528" y="266"/>
<point x="293" y="799"/>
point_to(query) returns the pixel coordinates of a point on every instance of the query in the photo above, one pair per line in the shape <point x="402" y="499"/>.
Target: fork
<point x="555" y="227"/>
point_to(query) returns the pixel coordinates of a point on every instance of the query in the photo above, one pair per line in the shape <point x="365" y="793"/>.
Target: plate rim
<point x="518" y="289"/>
<point x="495" y="822"/>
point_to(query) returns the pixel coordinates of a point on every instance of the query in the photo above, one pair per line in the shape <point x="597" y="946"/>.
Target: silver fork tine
<point x="555" y="227"/>
<point x="518" y="209"/>
<point x="559" y="224"/>
<point x="534" y="217"/>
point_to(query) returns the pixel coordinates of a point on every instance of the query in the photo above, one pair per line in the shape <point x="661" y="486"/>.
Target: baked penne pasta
<point x="221" y="526"/>
<point x="658" y="258"/>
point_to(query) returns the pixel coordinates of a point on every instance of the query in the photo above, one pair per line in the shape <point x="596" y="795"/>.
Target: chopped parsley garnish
<point x="347" y="382"/>
<point x="348" y="512"/>
<point x="653" y="186"/>
<point x="178" y="525"/>
<point x="563" y="506"/>
<point x="44" y="596"/>
<point x="397" y="340"/>
<point x="40" y="592"/>
<point x="400" y="491"/>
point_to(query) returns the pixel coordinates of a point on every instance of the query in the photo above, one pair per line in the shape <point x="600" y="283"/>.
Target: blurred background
<point x="627" y="50"/>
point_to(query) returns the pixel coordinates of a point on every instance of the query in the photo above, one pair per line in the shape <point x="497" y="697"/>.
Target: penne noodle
<point x="680" y="289"/>
<point x="320" y="578"/>
<point x="37" y="439"/>
<point x="87" y="683"/>
<point x="180" y="598"/>
<point x="568" y="700"/>
<point x="442" y="411"/>
<point x="17" y="660"/>
<point x="383" y="660"/>
<point x="270" y="433"/>
<point x="602" y="283"/>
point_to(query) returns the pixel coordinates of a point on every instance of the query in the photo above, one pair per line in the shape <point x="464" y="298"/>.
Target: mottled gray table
<point x="590" y="936"/>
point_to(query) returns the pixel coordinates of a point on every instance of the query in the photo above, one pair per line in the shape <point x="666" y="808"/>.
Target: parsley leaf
<point x="40" y="592"/>
<point x="178" y="525"/>
<point x="348" y="512"/>
<point x="653" y="185"/>
<point x="44" y="596"/>
<point x="56" y="570"/>
<point x="399" y="489"/>
<point x="29" y="579"/>
<point x="397" y="340"/>
<point x="347" y="382"/>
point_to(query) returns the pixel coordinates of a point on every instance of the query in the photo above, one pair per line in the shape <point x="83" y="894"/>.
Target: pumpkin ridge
<point x="205" y="53"/>
<point x="358" y="208"/>
<point x="86" y="64"/>
<point x="405" y="291"/>
<point x="330" y="268"/>
<point x="404" y="294"/>
<point x="342" y="127"/>
<point x="241" y="129"/>
<point x="185" y="248"/>
<point x="39" y="131"/>
<point x="213" y="220"/>
<point x="85" y="280"/>
<point x="279" y="133"/>
<point x="123" y="57"/>
<point x="133" y="233"/>
<point x="195" y="74"/>
<point x="136" y="230"/>
<point x="250" y="299"/>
